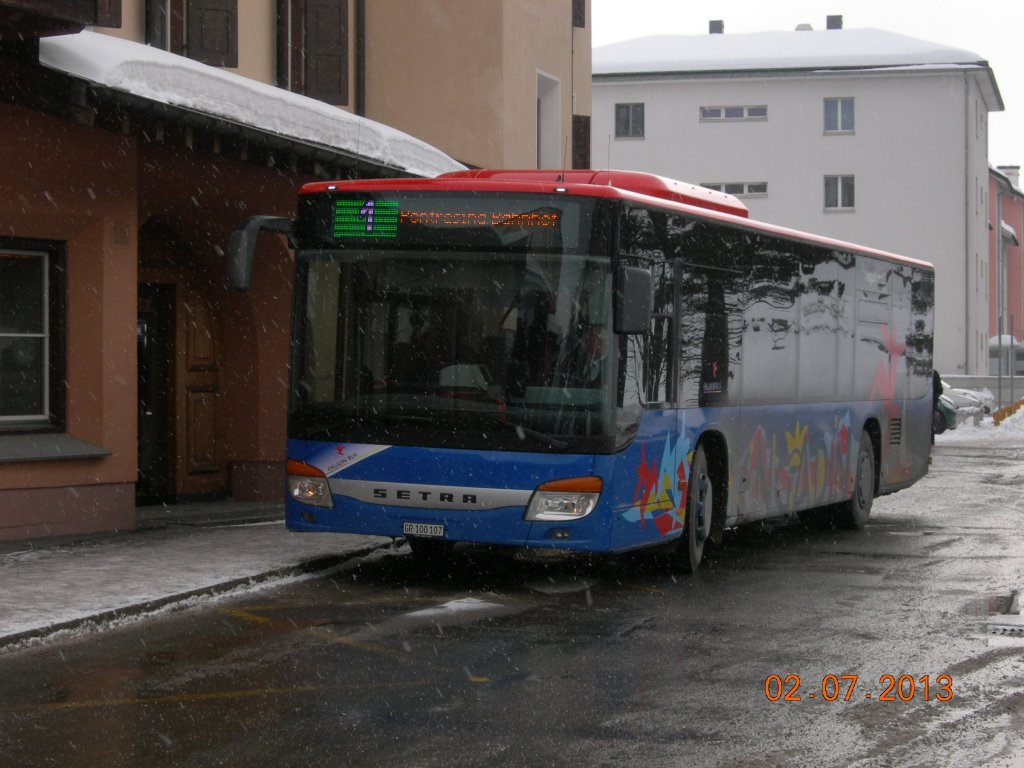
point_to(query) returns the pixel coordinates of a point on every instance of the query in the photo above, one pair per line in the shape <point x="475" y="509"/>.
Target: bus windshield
<point x="460" y="330"/>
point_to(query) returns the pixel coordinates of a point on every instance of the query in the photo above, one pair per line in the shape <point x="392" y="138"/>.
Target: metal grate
<point x="1007" y="630"/>
<point x="895" y="431"/>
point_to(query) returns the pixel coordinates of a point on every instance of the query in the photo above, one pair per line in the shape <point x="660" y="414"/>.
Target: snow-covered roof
<point x="773" y="50"/>
<point x="167" y="78"/>
<point x="1005" y="340"/>
<point x="803" y="50"/>
<point x="1009" y="232"/>
<point x="1010" y="176"/>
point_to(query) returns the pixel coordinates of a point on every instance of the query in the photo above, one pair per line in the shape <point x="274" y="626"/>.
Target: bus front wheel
<point x="699" y="509"/>
<point x="854" y="513"/>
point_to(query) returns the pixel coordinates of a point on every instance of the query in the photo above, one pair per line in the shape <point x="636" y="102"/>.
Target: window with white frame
<point x="839" y="115"/>
<point x="739" y="188"/>
<point x="721" y="114"/>
<point x="839" y="193"/>
<point x="31" y="333"/>
<point x="629" y="121"/>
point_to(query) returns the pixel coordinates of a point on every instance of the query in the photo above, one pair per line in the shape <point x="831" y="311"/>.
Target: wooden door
<point x="199" y="463"/>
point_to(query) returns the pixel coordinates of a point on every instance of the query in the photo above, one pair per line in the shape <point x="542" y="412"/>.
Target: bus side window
<point x="649" y="360"/>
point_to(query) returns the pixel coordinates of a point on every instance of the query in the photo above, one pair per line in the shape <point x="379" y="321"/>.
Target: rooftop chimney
<point x="833" y="22"/>
<point x="1012" y="172"/>
<point x="716" y="27"/>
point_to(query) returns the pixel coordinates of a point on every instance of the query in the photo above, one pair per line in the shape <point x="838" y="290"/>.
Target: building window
<point x="204" y="30"/>
<point x="716" y="114"/>
<point x="839" y="193"/>
<point x="629" y="121"/>
<point x="839" y="115"/>
<point x="313" y="49"/>
<point x="581" y="141"/>
<point x="31" y="334"/>
<point x="739" y="188"/>
<point x="579" y="13"/>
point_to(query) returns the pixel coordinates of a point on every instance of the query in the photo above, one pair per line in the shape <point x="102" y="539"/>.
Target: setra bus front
<point x="456" y="365"/>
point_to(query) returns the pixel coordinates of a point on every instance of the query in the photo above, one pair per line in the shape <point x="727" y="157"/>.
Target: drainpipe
<point x="967" y="218"/>
<point x="1000" y="266"/>
<point x="361" y="58"/>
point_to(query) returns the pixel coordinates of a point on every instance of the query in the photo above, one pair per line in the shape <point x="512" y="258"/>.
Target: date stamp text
<point x="849" y="688"/>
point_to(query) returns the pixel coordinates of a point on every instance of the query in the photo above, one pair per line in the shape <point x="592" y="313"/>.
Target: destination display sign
<point x="383" y="218"/>
<point x="448" y="220"/>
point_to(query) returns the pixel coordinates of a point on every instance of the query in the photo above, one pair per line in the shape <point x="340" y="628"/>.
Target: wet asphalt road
<point x="498" y="661"/>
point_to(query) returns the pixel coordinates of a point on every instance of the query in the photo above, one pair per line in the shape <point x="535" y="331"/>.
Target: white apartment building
<point x="859" y="134"/>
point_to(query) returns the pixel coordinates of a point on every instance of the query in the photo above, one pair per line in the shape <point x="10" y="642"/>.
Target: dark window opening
<point x="313" y="49"/>
<point x="203" y="30"/>
<point x="579" y="13"/>
<point x="839" y="192"/>
<point x="31" y="335"/>
<point x="629" y="121"/>
<point x="581" y="141"/>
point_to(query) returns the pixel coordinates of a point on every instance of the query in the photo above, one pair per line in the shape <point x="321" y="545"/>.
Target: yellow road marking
<point x="187" y="698"/>
<point x="244" y="615"/>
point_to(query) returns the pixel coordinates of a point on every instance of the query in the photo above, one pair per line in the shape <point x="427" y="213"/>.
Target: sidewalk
<point x="178" y="553"/>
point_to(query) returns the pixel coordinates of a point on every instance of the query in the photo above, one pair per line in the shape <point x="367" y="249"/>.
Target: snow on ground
<point x="139" y="572"/>
<point x="1009" y="433"/>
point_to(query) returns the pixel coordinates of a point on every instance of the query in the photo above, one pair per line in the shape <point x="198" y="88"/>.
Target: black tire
<point x="698" y="514"/>
<point x="854" y="513"/>
<point x="938" y="422"/>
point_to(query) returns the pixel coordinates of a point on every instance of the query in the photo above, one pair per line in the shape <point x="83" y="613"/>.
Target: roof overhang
<point x="128" y="79"/>
<point x="979" y="71"/>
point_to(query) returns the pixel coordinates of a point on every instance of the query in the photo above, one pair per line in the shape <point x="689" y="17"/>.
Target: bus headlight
<point x="308" y="485"/>
<point x="569" y="499"/>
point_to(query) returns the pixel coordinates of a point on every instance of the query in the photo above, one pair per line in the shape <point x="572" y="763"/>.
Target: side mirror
<point x="634" y="300"/>
<point x="242" y="247"/>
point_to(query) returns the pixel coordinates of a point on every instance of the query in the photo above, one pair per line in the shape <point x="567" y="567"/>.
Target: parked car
<point x="944" y="415"/>
<point x="967" y="398"/>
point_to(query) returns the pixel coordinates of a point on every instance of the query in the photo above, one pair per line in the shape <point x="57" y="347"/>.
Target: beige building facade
<point x="492" y="83"/>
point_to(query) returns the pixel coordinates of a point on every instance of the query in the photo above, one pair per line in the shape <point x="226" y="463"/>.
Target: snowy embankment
<point x="1009" y="433"/>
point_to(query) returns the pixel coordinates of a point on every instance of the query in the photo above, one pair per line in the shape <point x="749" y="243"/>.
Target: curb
<point x="95" y="622"/>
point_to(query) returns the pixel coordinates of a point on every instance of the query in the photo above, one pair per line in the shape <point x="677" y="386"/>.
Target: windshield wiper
<point x="522" y="432"/>
<point x="393" y="416"/>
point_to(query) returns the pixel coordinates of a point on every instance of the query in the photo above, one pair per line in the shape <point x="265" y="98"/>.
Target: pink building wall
<point x="1006" y="205"/>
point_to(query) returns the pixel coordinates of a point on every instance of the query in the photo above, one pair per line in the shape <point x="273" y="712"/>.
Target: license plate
<point x="423" y="529"/>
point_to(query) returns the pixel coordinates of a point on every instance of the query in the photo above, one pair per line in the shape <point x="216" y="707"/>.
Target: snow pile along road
<point x="1009" y="433"/>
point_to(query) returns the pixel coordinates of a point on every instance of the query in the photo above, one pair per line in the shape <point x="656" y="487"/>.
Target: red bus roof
<point x="634" y="181"/>
<point x="629" y="181"/>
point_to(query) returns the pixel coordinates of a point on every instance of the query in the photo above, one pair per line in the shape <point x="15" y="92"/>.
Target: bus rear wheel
<point x="854" y="513"/>
<point x="699" y="509"/>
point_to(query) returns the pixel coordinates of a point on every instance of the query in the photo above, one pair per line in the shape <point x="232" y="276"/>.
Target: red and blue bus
<point x="588" y="360"/>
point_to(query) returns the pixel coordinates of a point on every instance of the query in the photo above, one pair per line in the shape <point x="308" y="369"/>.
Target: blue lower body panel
<point x="476" y="496"/>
